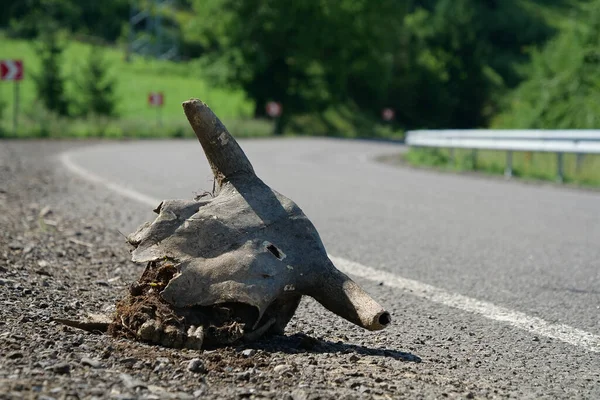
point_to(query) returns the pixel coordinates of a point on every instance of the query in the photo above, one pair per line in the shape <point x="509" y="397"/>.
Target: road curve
<point x="530" y="248"/>
<point x="492" y="285"/>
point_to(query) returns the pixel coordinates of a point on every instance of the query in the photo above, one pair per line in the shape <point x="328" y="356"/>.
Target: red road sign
<point x="156" y="99"/>
<point x="11" y="70"/>
<point x="274" y="109"/>
<point x="387" y="114"/>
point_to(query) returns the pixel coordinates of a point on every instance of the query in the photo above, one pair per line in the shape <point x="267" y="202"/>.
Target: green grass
<point x="526" y="165"/>
<point x="343" y="121"/>
<point x="178" y="82"/>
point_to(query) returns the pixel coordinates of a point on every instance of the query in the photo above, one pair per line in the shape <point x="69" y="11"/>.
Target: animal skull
<point x="248" y="247"/>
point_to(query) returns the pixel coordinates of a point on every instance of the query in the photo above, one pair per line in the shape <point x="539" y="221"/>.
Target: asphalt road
<point x="503" y="256"/>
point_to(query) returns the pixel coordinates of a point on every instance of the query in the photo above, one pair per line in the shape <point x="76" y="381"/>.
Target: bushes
<point x="95" y="88"/>
<point x="49" y="82"/>
<point x="562" y="83"/>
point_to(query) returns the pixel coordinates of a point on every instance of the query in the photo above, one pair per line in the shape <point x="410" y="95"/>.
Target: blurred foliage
<point x="50" y="82"/>
<point x="96" y="86"/>
<point x="579" y="169"/>
<point x="101" y="19"/>
<point x="442" y="63"/>
<point x="335" y="64"/>
<point x="561" y="89"/>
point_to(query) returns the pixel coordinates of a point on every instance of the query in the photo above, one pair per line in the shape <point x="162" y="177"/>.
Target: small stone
<point x="299" y="394"/>
<point x="28" y="248"/>
<point x="243" y="376"/>
<point x="90" y="362"/>
<point x="354" y="358"/>
<point x="15" y="245"/>
<point x="60" y="368"/>
<point x="248" y="352"/>
<point x="201" y="392"/>
<point x="281" y="368"/>
<point x="196" y="365"/>
<point x="131" y="383"/>
<point x="128" y="361"/>
<point x="15" y="355"/>
<point x="43" y="271"/>
<point x="45" y="211"/>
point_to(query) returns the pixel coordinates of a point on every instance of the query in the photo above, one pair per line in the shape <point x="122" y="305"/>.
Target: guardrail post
<point x="559" y="167"/>
<point x="579" y="162"/>
<point x="508" y="168"/>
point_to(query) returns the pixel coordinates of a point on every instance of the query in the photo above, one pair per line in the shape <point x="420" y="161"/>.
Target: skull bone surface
<point x="233" y="266"/>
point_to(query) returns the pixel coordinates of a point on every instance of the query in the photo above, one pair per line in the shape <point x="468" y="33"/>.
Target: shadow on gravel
<point x="302" y="343"/>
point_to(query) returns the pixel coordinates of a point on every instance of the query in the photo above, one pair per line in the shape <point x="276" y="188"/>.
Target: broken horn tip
<point x="381" y="321"/>
<point x="192" y="102"/>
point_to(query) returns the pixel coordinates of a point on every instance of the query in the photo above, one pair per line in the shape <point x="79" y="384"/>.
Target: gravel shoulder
<point x="62" y="256"/>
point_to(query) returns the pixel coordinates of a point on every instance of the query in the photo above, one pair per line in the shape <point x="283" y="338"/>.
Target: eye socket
<point x="275" y="251"/>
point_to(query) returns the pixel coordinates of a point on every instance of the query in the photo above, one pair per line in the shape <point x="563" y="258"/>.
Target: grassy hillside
<point x="178" y="82"/>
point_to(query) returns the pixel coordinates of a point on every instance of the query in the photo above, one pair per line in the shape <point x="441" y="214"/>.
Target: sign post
<point x="12" y="70"/>
<point x="274" y="110"/>
<point x="387" y="114"/>
<point x="157" y="99"/>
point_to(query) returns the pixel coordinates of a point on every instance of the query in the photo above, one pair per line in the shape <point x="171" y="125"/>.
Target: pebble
<point x="299" y="394"/>
<point x="15" y="245"/>
<point x="60" y="368"/>
<point x="281" y="368"/>
<point x="131" y="383"/>
<point x="248" y="352"/>
<point x="196" y="365"/>
<point x="91" y="362"/>
<point x="15" y="355"/>
<point x="243" y="376"/>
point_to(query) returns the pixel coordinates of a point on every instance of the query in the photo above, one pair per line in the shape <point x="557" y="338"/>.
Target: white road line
<point x="534" y="325"/>
<point x="538" y="326"/>
<point x="65" y="158"/>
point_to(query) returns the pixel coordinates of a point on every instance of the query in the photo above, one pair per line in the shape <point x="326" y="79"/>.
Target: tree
<point x="305" y="54"/>
<point x="49" y="82"/>
<point x="562" y="84"/>
<point x="97" y="87"/>
<point x="459" y="57"/>
<point x="103" y="19"/>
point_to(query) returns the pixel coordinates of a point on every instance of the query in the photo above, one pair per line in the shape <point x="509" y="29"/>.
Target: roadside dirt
<point x="58" y="265"/>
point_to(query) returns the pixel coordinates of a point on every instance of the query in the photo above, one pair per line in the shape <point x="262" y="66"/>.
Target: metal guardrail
<point x="555" y="141"/>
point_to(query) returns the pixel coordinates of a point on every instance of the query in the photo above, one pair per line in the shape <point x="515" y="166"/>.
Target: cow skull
<point x="248" y="249"/>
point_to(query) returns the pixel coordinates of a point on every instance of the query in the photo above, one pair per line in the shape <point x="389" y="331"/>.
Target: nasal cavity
<point x="274" y="250"/>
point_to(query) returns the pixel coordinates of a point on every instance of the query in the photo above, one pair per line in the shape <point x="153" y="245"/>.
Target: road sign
<point x="156" y="99"/>
<point x="387" y="114"/>
<point x="11" y="70"/>
<point x="274" y="109"/>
